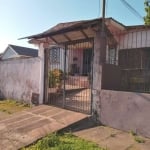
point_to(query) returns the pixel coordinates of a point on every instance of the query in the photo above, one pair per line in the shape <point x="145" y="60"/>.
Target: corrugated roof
<point x="65" y="27"/>
<point x="24" y="50"/>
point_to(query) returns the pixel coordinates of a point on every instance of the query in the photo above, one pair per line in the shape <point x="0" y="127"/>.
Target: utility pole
<point x="103" y="8"/>
<point x="103" y="35"/>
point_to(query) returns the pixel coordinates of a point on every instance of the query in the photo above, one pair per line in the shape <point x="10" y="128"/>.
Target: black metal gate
<point x="70" y="75"/>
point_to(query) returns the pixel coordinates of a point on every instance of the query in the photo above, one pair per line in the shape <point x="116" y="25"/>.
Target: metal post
<point x="91" y="84"/>
<point x="103" y="8"/>
<point x="64" y="77"/>
<point x="103" y="35"/>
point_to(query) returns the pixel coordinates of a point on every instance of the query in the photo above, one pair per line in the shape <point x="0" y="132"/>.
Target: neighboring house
<point x="13" y="51"/>
<point x="1" y="56"/>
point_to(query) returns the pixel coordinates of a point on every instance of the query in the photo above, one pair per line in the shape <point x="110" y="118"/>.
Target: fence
<point x="20" y="78"/>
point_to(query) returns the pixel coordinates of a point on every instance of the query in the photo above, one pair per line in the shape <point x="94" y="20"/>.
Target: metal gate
<point x="70" y="75"/>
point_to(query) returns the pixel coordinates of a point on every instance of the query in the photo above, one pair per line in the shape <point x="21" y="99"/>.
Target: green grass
<point x="139" y="139"/>
<point x="64" y="141"/>
<point x="8" y="107"/>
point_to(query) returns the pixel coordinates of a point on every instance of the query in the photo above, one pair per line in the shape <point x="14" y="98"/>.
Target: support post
<point x="46" y="60"/>
<point x="99" y="59"/>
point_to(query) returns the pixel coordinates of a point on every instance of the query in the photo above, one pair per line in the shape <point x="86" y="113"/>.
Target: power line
<point x="135" y="12"/>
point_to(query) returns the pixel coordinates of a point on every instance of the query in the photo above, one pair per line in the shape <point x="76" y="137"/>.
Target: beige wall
<point x="20" y="78"/>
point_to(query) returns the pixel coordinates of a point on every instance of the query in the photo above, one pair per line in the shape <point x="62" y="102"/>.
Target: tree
<point x="147" y="9"/>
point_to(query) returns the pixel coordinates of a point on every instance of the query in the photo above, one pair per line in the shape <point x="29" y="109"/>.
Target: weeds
<point x="112" y="135"/>
<point x="133" y="133"/>
<point x="65" y="141"/>
<point x="139" y="139"/>
<point x="11" y="106"/>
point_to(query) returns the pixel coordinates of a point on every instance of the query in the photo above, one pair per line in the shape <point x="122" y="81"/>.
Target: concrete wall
<point x="20" y="78"/>
<point x="126" y="111"/>
<point x="122" y="110"/>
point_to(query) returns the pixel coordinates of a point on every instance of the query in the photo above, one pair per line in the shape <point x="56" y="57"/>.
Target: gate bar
<point x="64" y="76"/>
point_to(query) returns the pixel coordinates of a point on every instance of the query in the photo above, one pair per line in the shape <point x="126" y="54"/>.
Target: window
<point x="112" y="56"/>
<point x="55" y="55"/>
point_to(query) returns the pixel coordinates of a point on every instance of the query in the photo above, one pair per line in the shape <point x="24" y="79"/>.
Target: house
<point x="105" y="68"/>
<point x="121" y="40"/>
<point x="14" y="51"/>
<point x="0" y="55"/>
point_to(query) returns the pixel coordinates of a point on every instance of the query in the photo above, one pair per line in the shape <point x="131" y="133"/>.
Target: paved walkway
<point x="112" y="139"/>
<point x="24" y="128"/>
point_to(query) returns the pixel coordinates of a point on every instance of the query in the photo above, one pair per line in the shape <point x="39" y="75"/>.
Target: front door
<point x="87" y="59"/>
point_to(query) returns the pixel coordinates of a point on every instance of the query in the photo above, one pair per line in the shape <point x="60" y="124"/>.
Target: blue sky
<point x="19" y="18"/>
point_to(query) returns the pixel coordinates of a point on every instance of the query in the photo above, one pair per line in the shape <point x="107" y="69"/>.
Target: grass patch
<point x="11" y="106"/>
<point x="133" y="133"/>
<point x="139" y="139"/>
<point x="112" y="135"/>
<point x="65" y="141"/>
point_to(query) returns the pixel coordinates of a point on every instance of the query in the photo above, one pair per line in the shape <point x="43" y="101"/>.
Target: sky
<point x="20" y="18"/>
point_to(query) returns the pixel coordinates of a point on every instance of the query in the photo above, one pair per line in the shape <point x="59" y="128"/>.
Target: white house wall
<point x="9" y="54"/>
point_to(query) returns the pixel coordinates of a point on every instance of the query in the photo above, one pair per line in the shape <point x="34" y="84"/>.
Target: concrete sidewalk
<point x="112" y="139"/>
<point x="25" y="127"/>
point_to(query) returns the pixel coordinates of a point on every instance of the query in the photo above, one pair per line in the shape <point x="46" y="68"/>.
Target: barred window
<point x="55" y="55"/>
<point x="112" y="56"/>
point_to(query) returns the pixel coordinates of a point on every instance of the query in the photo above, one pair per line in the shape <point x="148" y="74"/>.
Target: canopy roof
<point x="70" y="31"/>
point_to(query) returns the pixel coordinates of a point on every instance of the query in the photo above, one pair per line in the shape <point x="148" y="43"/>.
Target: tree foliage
<point x="147" y="10"/>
